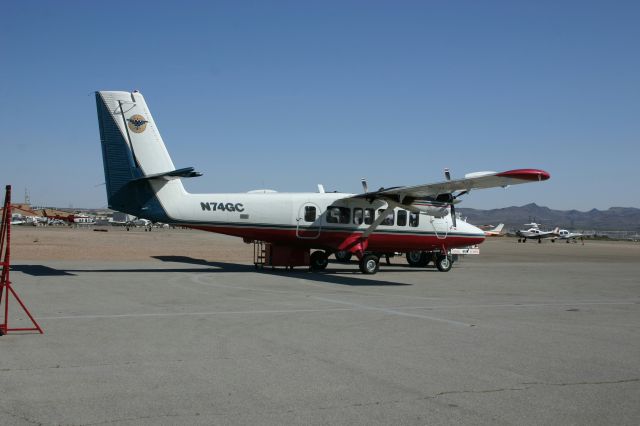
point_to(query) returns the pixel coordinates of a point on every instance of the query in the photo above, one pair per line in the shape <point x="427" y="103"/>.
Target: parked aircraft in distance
<point x="534" y="233"/>
<point x="564" y="234"/>
<point x="142" y="180"/>
<point x="495" y="232"/>
<point x="17" y="220"/>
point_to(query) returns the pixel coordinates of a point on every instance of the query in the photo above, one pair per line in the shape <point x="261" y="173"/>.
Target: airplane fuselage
<point x="328" y="221"/>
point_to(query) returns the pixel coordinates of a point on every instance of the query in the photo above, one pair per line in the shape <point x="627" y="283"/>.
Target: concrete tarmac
<point x="502" y="338"/>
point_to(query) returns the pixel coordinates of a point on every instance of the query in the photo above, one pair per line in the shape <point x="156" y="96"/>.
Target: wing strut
<point x="379" y="220"/>
<point x="359" y="242"/>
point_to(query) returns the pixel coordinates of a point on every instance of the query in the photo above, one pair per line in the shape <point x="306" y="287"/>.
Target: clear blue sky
<point x="287" y="95"/>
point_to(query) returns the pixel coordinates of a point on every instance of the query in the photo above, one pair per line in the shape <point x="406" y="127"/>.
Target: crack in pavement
<point x="16" y="416"/>
<point x="605" y="382"/>
<point x="524" y="386"/>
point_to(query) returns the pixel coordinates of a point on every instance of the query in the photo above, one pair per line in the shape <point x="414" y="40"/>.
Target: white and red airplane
<point x="494" y="232"/>
<point x="141" y="180"/>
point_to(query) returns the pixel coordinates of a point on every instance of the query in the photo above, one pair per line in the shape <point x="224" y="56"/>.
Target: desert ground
<point x="118" y="244"/>
<point x="176" y="327"/>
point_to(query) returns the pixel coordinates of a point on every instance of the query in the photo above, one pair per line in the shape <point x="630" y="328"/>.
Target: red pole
<point x="5" y="237"/>
<point x="4" y="253"/>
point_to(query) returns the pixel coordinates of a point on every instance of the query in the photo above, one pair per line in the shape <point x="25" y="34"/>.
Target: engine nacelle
<point x="435" y="209"/>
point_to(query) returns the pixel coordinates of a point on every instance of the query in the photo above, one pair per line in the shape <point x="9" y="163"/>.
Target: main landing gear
<point x="369" y="263"/>
<point x="418" y="259"/>
<point x="343" y="256"/>
<point x="318" y="261"/>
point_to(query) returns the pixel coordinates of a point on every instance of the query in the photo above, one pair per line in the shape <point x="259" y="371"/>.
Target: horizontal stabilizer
<point x="187" y="172"/>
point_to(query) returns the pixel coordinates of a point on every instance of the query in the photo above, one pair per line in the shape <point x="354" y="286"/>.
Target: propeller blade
<point x="453" y="215"/>
<point x="466" y="191"/>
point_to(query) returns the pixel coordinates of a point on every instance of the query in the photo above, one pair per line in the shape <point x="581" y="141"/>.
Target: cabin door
<point x="308" y="223"/>
<point x="441" y="226"/>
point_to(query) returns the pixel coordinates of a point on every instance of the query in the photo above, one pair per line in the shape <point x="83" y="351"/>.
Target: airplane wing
<point x="478" y="180"/>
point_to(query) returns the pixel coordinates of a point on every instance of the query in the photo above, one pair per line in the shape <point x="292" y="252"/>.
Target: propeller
<point x="452" y="203"/>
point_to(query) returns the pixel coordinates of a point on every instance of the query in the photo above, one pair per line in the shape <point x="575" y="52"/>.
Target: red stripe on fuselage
<point x="333" y="240"/>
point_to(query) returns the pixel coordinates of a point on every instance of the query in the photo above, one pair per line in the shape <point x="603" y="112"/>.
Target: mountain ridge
<point x="614" y="218"/>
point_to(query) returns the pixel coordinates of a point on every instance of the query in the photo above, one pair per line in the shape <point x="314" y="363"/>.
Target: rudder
<point x="131" y="150"/>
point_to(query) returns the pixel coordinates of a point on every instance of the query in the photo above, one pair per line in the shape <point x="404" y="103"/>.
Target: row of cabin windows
<point x="360" y="216"/>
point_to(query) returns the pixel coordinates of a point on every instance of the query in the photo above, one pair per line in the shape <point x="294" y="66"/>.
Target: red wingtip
<point x="526" y="174"/>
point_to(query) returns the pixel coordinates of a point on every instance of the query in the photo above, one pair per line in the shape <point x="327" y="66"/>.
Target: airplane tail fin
<point x="136" y="162"/>
<point x="498" y="228"/>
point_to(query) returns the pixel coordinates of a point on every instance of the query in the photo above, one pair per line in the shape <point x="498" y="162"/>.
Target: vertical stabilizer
<point x="132" y="149"/>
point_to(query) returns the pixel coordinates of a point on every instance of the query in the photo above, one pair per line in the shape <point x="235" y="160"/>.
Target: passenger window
<point x="368" y="216"/>
<point x="402" y="218"/>
<point x="414" y="219"/>
<point x="388" y="221"/>
<point x="338" y="214"/>
<point x="357" y="216"/>
<point x="309" y="213"/>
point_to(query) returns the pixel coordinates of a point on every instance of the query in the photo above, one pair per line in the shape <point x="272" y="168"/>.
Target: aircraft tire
<point x="369" y="264"/>
<point x="318" y="261"/>
<point x="418" y="259"/>
<point x="444" y="263"/>
<point x="343" y="256"/>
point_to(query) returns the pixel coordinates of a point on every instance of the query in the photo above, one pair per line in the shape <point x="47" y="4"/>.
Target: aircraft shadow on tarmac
<point x="329" y="276"/>
<point x="40" y="270"/>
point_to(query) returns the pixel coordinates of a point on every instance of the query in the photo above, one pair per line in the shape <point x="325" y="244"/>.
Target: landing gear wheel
<point x="318" y="261"/>
<point x="369" y="264"/>
<point x="444" y="263"/>
<point x="418" y="259"/>
<point x="540" y="241"/>
<point x="343" y="256"/>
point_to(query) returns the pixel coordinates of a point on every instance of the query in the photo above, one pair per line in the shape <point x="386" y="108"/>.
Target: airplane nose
<point x="474" y="231"/>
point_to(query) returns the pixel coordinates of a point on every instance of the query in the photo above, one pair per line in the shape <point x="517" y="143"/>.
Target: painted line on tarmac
<point x="186" y="314"/>
<point x="393" y="311"/>
<point x="354" y="307"/>
<point x="519" y="305"/>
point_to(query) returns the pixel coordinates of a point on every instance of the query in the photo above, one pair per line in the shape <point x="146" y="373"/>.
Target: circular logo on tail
<point x="137" y="123"/>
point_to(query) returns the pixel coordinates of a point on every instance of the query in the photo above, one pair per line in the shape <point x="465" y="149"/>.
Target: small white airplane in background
<point x="534" y="233"/>
<point x="564" y="234"/>
<point x="495" y="232"/>
<point x="142" y="180"/>
<point x="17" y="219"/>
<point x="142" y="222"/>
